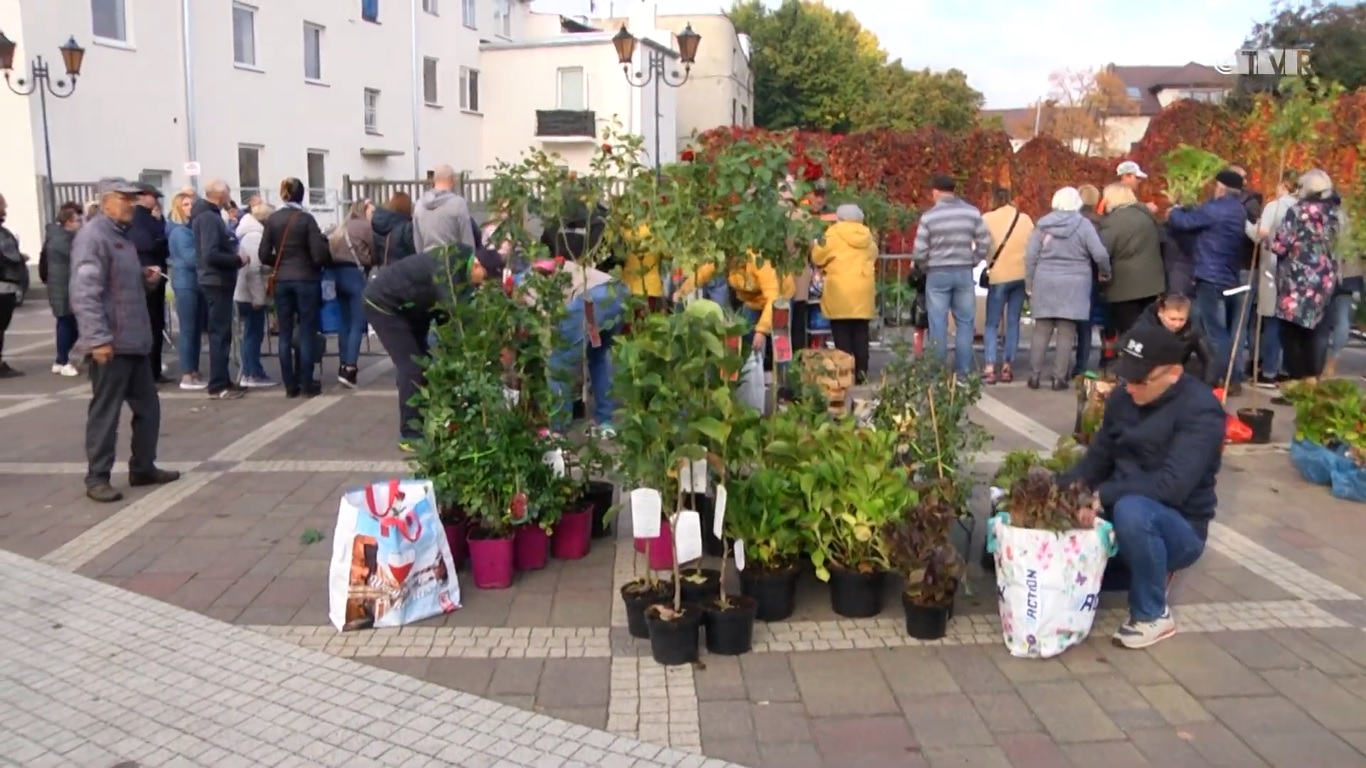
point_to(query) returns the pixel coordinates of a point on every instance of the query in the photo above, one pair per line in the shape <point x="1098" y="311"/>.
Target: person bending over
<point x="1153" y="466"/>
<point x="1173" y="312"/>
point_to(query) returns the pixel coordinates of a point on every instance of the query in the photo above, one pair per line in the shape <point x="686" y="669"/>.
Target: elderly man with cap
<point x="109" y="298"/>
<point x="1152" y="467"/>
<point x="1219" y="228"/>
<point x="1130" y="175"/>
<point x="148" y="234"/>
<point x="951" y="239"/>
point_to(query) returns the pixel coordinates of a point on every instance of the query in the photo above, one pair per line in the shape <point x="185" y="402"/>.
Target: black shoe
<point x="104" y="493"/>
<point x="312" y="392"/>
<point x="1267" y="382"/>
<point x="291" y="392"/>
<point x="1061" y="384"/>
<point x="228" y="394"/>
<point x="164" y="380"/>
<point x="1033" y="382"/>
<point x="7" y="372"/>
<point x="346" y="376"/>
<point x="155" y="477"/>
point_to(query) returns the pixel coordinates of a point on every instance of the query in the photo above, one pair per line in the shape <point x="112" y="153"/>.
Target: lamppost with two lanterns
<point x="655" y="70"/>
<point x="40" y="80"/>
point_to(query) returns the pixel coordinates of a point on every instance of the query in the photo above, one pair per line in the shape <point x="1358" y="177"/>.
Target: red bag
<point x="1235" y="431"/>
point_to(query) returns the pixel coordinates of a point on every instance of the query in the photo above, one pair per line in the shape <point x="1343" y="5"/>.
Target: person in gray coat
<point x="1058" y="277"/>
<point x="54" y="267"/>
<point x="109" y="298"/>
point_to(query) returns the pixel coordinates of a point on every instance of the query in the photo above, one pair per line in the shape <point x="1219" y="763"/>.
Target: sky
<point x="1008" y="47"/>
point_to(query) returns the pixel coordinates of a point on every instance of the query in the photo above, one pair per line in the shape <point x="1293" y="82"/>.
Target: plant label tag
<point x="555" y="460"/>
<point x="782" y="348"/>
<point x="692" y="477"/>
<point x="646" y="509"/>
<point x="739" y="550"/>
<point x="687" y="536"/>
<point x="590" y="323"/>
<point x="718" y="525"/>
<point x="513" y="396"/>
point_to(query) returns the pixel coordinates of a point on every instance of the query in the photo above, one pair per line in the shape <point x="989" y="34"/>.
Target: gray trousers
<point x="125" y="378"/>
<point x="1062" y="356"/>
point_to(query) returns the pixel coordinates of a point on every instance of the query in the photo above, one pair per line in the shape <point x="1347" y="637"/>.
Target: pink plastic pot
<point x="455" y="538"/>
<point x="491" y="563"/>
<point x="661" y="549"/>
<point x="530" y="547"/>
<point x="573" y="536"/>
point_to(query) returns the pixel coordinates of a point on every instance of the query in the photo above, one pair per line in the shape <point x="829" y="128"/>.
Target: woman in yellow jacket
<point x="848" y="257"/>
<point x="756" y="287"/>
<point x="641" y="270"/>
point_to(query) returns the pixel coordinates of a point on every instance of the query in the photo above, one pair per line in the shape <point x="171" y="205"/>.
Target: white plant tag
<point x="555" y="460"/>
<point x="646" y="509"/>
<point x="739" y="549"/>
<point x="693" y="478"/>
<point x="513" y="395"/>
<point x="687" y="536"/>
<point x="718" y="525"/>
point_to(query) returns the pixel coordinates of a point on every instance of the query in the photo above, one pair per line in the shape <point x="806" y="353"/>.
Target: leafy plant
<point x="1189" y="170"/>
<point x="766" y="507"/>
<point x="1018" y="464"/>
<point x="1330" y="413"/>
<point x="1037" y="501"/>
<point x="920" y="544"/>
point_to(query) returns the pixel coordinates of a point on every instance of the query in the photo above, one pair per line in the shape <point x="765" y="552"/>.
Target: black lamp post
<point x="655" y="71"/>
<point x="40" y="80"/>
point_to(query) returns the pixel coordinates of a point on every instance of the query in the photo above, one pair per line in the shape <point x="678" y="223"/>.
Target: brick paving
<point x="1269" y="667"/>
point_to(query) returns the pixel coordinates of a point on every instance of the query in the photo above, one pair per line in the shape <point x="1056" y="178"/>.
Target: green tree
<point x="1335" y="34"/>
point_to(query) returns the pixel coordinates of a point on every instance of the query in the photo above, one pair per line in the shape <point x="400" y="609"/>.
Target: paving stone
<point x="725" y="720"/>
<point x="913" y="672"/>
<point x="516" y="677"/>
<point x="1005" y="713"/>
<point x="1112" y="754"/>
<point x="780" y="723"/>
<point x="1349" y="643"/>
<point x="1032" y="750"/>
<point x="1175" y="704"/>
<point x="468" y="675"/>
<point x="1316" y="653"/>
<point x="1167" y="747"/>
<point x="722" y="680"/>
<point x="1320" y="697"/>
<point x="768" y="677"/>
<point x="743" y="750"/>
<point x="967" y="757"/>
<point x="1122" y="702"/>
<point x="789" y="755"/>
<point x="1257" y="650"/>
<point x="1137" y="668"/>
<point x="1206" y="670"/>
<point x="573" y="683"/>
<point x="841" y="683"/>
<point x="844" y="737"/>
<point x="1281" y="733"/>
<point x="1068" y="712"/>
<point x="973" y="671"/>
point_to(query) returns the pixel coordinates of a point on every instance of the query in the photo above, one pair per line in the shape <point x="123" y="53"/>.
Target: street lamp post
<point x="655" y="71"/>
<point x="40" y="81"/>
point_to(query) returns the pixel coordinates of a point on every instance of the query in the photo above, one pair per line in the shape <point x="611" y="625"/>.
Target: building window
<point x="502" y="18"/>
<point x="248" y="170"/>
<point x="573" y="89"/>
<point x="744" y="115"/>
<point x="243" y="35"/>
<point x="430" y="7"/>
<point x="1133" y="92"/>
<point x="734" y="112"/>
<point x="369" y="10"/>
<point x="109" y="20"/>
<point x="430" y="93"/>
<point x="469" y="89"/>
<point x="371" y="110"/>
<point x="317" y="177"/>
<point x="469" y="13"/>
<point x="313" y="52"/>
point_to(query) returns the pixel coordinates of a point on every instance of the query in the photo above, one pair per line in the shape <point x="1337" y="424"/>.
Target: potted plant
<point x="920" y="546"/>
<point x="852" y="491"/>
<point x="573" y="537"/>
<point x="546" y="495"/>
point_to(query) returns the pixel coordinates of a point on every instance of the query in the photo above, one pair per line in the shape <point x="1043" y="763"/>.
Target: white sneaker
<point x="57" y="368"/>
<point x="193" y="382"/>
<point x="253" y="382"/>
<point x="1142" y="634"/>
<point x="66" y="370"/>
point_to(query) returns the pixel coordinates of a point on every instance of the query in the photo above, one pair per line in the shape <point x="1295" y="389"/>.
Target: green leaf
<point x="311" y="536"/>
<point x="712" y="428"/>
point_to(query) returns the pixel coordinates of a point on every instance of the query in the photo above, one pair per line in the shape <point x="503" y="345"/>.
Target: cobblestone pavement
<point x="1269" y="667"/>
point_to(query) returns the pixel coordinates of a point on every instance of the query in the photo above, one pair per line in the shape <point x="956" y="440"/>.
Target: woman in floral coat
<point x="1306" y="275"/>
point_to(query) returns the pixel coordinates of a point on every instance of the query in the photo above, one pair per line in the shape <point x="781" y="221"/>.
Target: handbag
<point x="273" y="277"/>
<point x="985" y="279"/>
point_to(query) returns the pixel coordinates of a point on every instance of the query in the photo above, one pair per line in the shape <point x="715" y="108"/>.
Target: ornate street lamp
<point x="40" y="81"/>
<point x="655" y="70"/>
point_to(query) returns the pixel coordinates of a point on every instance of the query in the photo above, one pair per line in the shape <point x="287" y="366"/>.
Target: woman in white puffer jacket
<point x="250" y="296"/>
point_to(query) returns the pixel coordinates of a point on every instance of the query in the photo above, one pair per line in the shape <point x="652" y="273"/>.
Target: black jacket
<point x="393" y="236"/>
<point x="1252" y="204"/>
<point x="414" y="287"/>
<point x="1198" y="354"/>
<point x="576" y="234"/>
<point x="215" y="246"/>
<point x="296" y="251"/>
<point x="1169" y="451"/>
<point x="148" y="234"/>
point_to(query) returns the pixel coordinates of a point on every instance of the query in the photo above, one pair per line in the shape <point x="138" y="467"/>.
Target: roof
<point x="1019" y="121"/>
<point x="1150" y="80"/>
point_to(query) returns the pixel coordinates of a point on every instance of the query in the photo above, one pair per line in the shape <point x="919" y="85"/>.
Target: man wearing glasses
<point x="1153" y="466"/>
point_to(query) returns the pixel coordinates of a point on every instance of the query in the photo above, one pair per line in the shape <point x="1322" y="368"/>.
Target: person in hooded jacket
<point x="392" y="224"/>
<point x="148" y="233"/>
<point x="55" y="267"/>
<point x="442" y="216"/>
<point x="848" y="257"/>
<point x="294" y="247"/>
<point x="219" y="258"/>
<point x="1059" y="262"/>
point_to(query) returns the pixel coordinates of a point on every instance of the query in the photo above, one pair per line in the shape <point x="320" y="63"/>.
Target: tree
<point x="819" y="69"/>
<point x="1334" y="33"/>
<point x="1078" y="109"/>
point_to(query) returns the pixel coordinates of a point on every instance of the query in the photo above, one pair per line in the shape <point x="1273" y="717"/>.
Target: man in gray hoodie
<point x="442" y="217"/>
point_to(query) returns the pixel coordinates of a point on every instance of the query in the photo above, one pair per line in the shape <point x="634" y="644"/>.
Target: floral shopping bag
<point x="1048" y="584"/>
<point x="391" y="563"/>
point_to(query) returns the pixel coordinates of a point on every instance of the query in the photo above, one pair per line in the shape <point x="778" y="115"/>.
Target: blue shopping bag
<point x="1349" y="482"/>
<point x="1316" y="463"/>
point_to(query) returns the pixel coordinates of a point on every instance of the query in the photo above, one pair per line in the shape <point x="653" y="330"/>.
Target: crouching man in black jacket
<point x="1153" y="466"/>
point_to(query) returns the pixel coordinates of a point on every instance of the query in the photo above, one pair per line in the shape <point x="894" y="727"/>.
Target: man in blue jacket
<point x="1219" y="227"/>
<point x="1153" y="466"/>
<point x="219" y="259"/>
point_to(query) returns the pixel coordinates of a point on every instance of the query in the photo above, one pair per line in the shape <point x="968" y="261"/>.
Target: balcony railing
<point x="566" y="124"/>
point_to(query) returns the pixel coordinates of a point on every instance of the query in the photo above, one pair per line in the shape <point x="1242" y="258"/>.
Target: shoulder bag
<point x="985" y="279"/>
<point x="279" y="255"/>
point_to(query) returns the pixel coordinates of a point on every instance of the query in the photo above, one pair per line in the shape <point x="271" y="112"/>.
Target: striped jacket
<point x="951" y="234"/>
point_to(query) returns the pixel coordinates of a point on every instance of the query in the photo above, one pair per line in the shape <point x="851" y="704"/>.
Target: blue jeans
<point x="350" y="297"/>
<point x="67" y="333"/>
<point x="253" y="336"/>
<point x="572" y="345"/>
<point x="1155" y="540"/>
<point x="297" y="305"/>
<point x="952" y="290"/>
<point x="1340" y="320"/>
<point x="718" y="290"/>
<point x="189" y="310"/>
<point x="1084" y="338"/>
<point x="1219" y="316"/>
<point x="1269" y="355"/>
<point x="1008" y="297"/>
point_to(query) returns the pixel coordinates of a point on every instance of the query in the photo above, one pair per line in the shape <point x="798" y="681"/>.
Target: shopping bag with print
<point x="1048" y="584"/>
<point x="391" y="563"/>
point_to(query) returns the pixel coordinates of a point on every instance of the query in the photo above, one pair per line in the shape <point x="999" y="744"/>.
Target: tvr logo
<point x="1281" y="62"/>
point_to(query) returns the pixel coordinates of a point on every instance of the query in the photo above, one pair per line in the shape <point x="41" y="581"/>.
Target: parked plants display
<point x="1017" y="464"/>
<point x="1037" y="501"/>
<point x="920" y="547"/>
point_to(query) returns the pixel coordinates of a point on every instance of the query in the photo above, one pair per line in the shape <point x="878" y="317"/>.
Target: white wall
<point x="18" y="171"/>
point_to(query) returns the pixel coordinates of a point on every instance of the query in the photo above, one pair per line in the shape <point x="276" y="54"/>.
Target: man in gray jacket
<point x="442" y="217"/>
<point x="950" y="239"/>
<point x="109" y="299"/>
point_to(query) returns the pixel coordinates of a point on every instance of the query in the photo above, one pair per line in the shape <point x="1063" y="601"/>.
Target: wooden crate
<point x="831" y="370"/>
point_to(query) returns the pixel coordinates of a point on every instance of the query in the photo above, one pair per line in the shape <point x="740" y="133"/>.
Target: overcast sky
<point x="1007" y="48"/>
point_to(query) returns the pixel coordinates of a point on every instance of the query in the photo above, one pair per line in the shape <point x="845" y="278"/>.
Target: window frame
<point x="316" y="32"/>
<point x="469" y="13"/>
<point x="370" y="116"/>
<point x="469" y="90"/>
<point x="121" y="22"/>
<point x="317" y="196"/>
<point x="560" y="90"/>
<point x="435" y="85"/>
<point x="369" y="5"/>
<point x="250" y="11"/>
<point x="246" y="190"/>
<point x="431" y="7"/>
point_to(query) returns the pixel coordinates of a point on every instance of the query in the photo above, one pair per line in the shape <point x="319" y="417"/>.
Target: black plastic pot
<point x="1259" y="421"/>
<point x="927" y="622"/>
<point x="774" y="592"/>
<point x="600" y="495"/>
<point x="580" y="409"/>
<point x="636" y="603"/>
<point x="673" y="643"/>
<point x="730" y="631"/>
<point x="854" y="594"/>
<point x="699" y="592"/>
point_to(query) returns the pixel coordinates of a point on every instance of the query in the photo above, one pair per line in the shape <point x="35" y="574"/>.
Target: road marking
<point x="24" y="406"/>
<point x="247" y="446"/>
